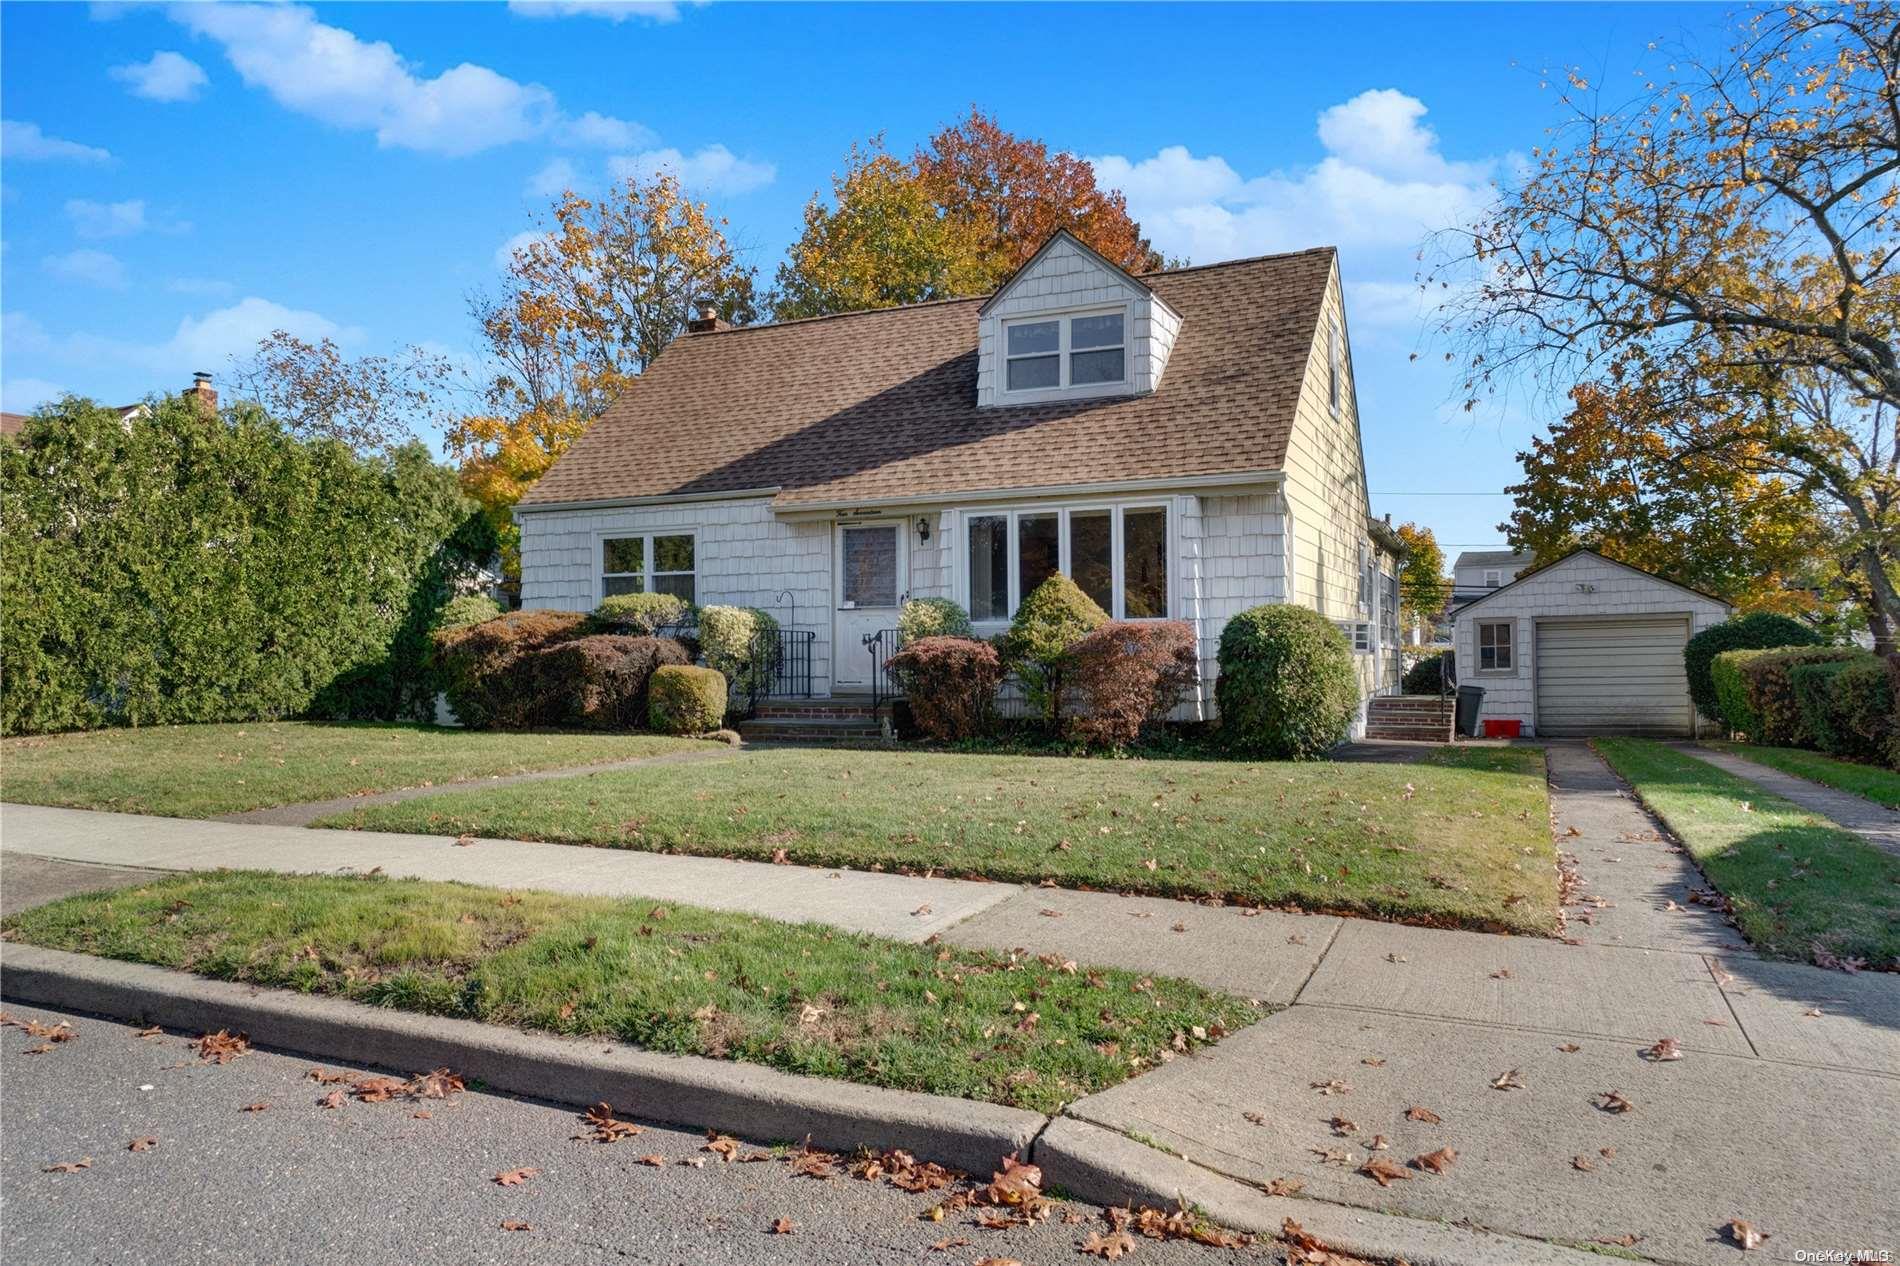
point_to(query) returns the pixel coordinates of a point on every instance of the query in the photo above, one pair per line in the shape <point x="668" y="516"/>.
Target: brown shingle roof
<point x="873" y="406"/>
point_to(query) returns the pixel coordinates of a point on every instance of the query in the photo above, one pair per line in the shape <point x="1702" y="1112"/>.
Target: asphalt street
<point x="373" y="1183"/>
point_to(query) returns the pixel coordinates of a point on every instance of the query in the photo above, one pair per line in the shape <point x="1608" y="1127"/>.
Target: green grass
<point x="801" y="997"/>
<point x="1879" y="785"/>
<point x="200" y="771"/>
<point x="1792" y="878"/>
<point x="1468" y="846"/>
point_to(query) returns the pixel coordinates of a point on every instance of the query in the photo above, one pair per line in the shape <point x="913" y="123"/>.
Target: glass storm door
<point x="869" y="579"/>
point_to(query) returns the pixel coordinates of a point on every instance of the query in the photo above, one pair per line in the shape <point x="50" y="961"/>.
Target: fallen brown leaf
<point x="515" y="1224"/>
<point x="1611" y="1101"/>
<point x="68" y="1167"/>
<point x="254" y="1107"/>
<point x="1109" y="1247"/>
<point x="1629" y="1239"/>
<point x="332" y="1100"/>
<point x="783" y="1226"/>
<point x="1665" y="1050"/>
<point x="944" y="1246"/>
<point x="1384" y="1172"/>
<point x="439" y="1084"/>
<point x="1745" y="1234"/>
<point x="1508" y="1081"/>
<point x="1439" y="1161"/>
<point x="1423" y="1114"/>
<point x="1285" y="1186"/>
<point x="1333" y="1087"/>
<point x="222" y="1047"/>
<point x="604" y="1127"/>
<point x="721" y="1146"/>
<point x="515" y="1177"/>
<point x="144" y="1144"/>
<point x="1570" y="1048"/>
<point x="655" y="1161"/>
<point x="154" y="1031"/>
<point x="1582" y="1162"/>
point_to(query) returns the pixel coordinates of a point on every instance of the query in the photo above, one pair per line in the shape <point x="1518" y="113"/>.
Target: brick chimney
<point x="707" y="322"/>
<point x="203" y="392"/>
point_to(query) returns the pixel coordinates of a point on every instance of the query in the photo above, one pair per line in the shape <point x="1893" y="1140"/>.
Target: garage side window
<point x="1495" y="646"/>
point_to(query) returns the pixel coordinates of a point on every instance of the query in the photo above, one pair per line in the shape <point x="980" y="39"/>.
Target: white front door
<point x="870" y="576"/>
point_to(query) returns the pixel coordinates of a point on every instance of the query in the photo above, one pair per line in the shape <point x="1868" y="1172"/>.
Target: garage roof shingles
<point x="876" y="406"/>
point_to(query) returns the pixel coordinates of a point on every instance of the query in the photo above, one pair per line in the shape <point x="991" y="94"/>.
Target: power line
<point x="1441" y="494"/>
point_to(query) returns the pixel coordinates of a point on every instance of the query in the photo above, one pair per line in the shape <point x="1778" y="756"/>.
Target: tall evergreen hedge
<point x="186" y="567"/>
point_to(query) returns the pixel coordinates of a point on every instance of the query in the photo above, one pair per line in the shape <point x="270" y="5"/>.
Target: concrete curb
<point x="1099" y="1165"/>
<point x="761" y="1103"/>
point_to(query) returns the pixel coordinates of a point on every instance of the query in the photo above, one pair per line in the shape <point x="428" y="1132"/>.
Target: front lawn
<point x="801" y="997"/>
<point x="1879" y="785"/>
<point x="1794" y="880"/>
<point x="201" y="771"/>
<point x="1460" y="840"/>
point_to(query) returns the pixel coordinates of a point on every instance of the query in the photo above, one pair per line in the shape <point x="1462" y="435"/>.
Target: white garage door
<point x="1612" y="676"/>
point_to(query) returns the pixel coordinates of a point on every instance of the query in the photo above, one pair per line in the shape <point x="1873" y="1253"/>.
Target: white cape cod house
<point x="1184" y="444"/>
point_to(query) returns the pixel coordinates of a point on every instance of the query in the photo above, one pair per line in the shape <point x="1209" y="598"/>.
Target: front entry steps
<point x="1419" y="718"/>
<point x="835" y="720"/>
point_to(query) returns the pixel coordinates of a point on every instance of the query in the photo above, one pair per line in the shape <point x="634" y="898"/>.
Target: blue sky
<point x="177" y="181"/>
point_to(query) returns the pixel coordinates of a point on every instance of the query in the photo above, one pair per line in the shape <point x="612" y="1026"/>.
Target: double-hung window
<point x="656" y="563"/>
<point x="1496" y="649"/>
<point x="1117" y="555"/>
<point x="1085" y="349"/>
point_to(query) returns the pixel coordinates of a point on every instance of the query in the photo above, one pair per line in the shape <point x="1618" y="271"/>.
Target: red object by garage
<point x="1494" y="728"/>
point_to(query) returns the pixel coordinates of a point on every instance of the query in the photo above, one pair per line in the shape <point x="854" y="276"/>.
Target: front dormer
<point x="1070" y="325"/>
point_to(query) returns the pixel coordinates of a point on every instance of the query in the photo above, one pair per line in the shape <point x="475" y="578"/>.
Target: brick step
<point x="815" y="711"/>
<point x="810" y="730"/>
<point x="1409" y="733"/>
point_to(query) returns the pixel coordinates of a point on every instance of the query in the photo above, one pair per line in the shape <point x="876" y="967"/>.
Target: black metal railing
<point x="885" y="685"/>
<point x="778" y="667"/>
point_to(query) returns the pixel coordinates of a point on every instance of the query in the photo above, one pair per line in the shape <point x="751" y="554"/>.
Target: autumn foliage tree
<point x="962" y="214"/>
<point x="583" y="309"/>
<point x="371" y="403"/>
<point x="1423" y="589"/>
<point x="1727" y="243"/>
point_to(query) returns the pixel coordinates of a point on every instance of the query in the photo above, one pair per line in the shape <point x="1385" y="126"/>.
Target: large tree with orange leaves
<point x="585" y="307"/>
<point x="962" y="214"/>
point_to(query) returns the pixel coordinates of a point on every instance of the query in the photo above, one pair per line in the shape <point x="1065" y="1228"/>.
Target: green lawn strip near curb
<point x="1027" y="1032"/>
<point x="201" y="771"/>
<point x="1462" y="840"/>
<point x="1792" y="878"/>
<point x="1882" y="786"/>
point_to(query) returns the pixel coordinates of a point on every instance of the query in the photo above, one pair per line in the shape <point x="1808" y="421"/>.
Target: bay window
<point x="1117" y="555"/>
<point x="1086" y="349"/>
<point x="654" y="563"/>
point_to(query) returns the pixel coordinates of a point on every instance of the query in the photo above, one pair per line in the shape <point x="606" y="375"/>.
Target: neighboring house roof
<point x="1543" y="572"/>
<point x="882" y="406"/>
<point x="1494" y="558"/>
<point x="12" y="423"/>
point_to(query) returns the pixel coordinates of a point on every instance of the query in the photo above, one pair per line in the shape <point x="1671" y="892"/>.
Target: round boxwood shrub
<point x="1748" y="632"/>
<point x="640" y="614"/>
<point x="1049" y="623"/>
<point x="1427" y="677"/>
<point x="730" y="640"/>
<point x="1287" y="689"/>
<point x="682" y="699"/>
<point x="466" y="609"/>
<point x="931" y="617"/>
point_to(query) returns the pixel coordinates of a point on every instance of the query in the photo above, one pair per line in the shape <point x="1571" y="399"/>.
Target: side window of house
<point x="1495" y="650"/>
<point x="649" y="564"/>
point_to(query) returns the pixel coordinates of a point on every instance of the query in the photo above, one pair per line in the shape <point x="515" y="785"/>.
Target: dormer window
<point x="1082" y="349"/>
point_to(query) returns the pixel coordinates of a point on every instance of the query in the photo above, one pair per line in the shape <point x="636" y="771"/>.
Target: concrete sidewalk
<point x="1875" y="823"/>
<point x="1784" y="1110"/>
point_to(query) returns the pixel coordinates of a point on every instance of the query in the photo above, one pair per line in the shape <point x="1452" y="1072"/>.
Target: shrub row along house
<point x="1184" y="445"/>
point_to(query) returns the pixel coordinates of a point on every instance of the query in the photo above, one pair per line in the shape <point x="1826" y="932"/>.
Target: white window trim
<point x="1492" y="578"/>
<point x="1062" y="510"/>
<point x="1063" y="390"/>
<point x="601" y="574"/>
<point x="1477" y="648"/>
<point x="1334" y="391"/>
<point x="1358" y="635"/>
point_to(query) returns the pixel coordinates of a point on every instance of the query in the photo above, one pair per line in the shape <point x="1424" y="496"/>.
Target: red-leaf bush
<point x="601" y="682"/>
<point x="1129" y="675"/>
<point x="951" y="684"/>
<point x="488" y="670"/>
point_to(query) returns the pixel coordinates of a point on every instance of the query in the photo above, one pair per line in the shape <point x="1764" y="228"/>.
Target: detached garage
<point x="1584" y="646"/>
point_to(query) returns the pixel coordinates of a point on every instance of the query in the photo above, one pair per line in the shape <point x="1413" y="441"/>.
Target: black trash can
<point x="1470" y="701"/>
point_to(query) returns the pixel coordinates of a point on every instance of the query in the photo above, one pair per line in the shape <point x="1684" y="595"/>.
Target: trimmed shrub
<point x="682" y="699"/>
<point x="1733" y="707"/>
<point x="466" y="609"/>
<point x="1427" y="677"/>
<point x="490" y="673"/>
<point x="600" y="682"/>
<point x="1864" y="710"/>
<point x="931" y="617"/>
<point x="1048" y="624"/>
<point x="640" y="614"/>
<point x="1814" y="700"/>
<point x="1129" y="675"/>
<point x="1771" y="693"/>
<point x="950" y="684"/>
<point x="1287" y="689"/>
<point x="1759" y="631"/>
<point x="182" y="567"/>
<point x="728" y="638"/>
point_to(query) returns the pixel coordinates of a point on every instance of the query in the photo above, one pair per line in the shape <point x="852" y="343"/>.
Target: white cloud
<point x="612" y="10"/>
<point x="1382" y="186"/>
<point x="90" y="267"/>
<point x="555" y="176"/>
<point x="21" y="141"/>
<point x="327" y="73"/>
<point x="505" y="253"/>
<point x="168" y="76"/>
<point x="23" y="395"/>
<point x="711" y="170"/>
<point x="207" y="342"/>
<point x="106" y="219"/>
